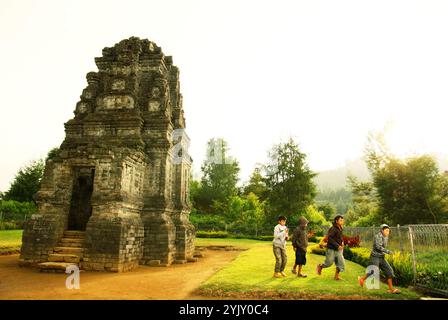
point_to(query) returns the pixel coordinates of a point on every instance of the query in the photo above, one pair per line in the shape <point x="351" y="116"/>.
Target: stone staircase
<point x="68" y="252"/>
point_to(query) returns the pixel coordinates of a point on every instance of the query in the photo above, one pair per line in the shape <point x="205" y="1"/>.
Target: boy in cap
<point x="377" y="258"/>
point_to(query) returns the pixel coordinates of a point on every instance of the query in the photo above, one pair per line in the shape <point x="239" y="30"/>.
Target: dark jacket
<point x="300" y="235"/>
<point x="335" y="238"/>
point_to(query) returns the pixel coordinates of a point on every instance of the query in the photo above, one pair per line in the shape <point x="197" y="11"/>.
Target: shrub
<point x="212" y="234"/>
<point x="11" y="225"/>
<point x="360" y="256"/>
<point x="316" y="249"/>
<point x="351" y="242"/>
<point x="403" y="267"/>
<point x="11" y="210"/>
<point x="312" y="239"/>
<point x="319" y="233"/>
<point x="265" y="238"/>
<point x="207" y="221"/>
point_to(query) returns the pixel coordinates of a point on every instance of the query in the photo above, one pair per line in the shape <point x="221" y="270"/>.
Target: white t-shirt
<point x="280" y="236"/>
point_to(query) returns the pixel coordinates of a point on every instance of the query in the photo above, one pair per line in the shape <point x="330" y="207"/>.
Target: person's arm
<point x="294" y="239"/>
<point x="331" y="240"/>
<point x="378" y="245"/>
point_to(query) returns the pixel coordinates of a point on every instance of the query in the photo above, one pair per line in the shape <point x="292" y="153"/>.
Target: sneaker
<point x="319" y="269"/>
<point x="294" y="271"/>
<point x="394" y="291"/>
<point x="283" y="274"/>
<point x="301" y="275"/>
<point x="277" y="275"/>
<point x="361" y="281"/>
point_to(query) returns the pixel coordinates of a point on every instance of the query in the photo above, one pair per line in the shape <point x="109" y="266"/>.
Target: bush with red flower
<point x="351" y="242"/>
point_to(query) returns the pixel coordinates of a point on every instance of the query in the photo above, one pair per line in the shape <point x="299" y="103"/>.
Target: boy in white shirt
<point x="279" y="247"/>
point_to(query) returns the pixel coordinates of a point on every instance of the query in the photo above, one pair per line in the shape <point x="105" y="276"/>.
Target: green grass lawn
<point x="240" y="243"/>
<point x="250" y="275"/>
<point x="10" y="240"/>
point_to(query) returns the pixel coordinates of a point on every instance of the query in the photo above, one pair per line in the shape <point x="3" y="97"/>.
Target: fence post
<point x="399" y="237"/>
<point x="411" y="238"/>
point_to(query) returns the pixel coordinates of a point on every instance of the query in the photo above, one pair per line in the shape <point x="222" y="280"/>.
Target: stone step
<point x="72" y="242"/>
<point x="68" y="250"/>
<point x="74" y="234"/>
<point x="198" y="254"/>
<point x="60" y="257"/>
<point x="54" y="266"/>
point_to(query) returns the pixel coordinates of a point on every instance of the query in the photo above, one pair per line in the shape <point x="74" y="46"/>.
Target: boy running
<point x="377" y="258"/>
<point x="335" y="248"/>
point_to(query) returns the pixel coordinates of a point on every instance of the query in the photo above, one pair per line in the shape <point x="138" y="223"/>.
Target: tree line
<point x="401" y="191"/>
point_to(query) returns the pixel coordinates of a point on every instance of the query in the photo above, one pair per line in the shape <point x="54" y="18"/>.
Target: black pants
<point x="300" y="257"/>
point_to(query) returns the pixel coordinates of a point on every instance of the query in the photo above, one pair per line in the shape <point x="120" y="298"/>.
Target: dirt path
<point x="171" y="283"/>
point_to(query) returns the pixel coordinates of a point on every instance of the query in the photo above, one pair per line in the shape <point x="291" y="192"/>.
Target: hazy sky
<point x="252" y="72"/>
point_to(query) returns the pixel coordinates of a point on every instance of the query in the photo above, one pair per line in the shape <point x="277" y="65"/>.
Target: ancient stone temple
<point x="116" y="195"/>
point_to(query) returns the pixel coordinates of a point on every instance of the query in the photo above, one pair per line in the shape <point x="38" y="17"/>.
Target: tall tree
<point x="219" y="176"/>
<point x="365" y="202"/>
<point x="328" y="210"/>
<point x="26" y="182"/>
<point x="410" y="191"/>
<point x="256" y="185"/>
<point x="289" y="180"/>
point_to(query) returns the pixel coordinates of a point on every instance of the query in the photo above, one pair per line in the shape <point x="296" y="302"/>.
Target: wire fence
<point x="426" y="246"/>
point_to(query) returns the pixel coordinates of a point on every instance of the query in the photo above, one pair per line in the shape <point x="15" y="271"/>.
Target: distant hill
<point x="337" y="178"/>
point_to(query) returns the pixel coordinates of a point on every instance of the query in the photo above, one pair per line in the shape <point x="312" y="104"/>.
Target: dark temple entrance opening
<point x="80" y="206"/>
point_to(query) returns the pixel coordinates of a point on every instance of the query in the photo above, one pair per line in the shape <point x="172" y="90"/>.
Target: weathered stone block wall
<point x="123" y="130"/>
<point x="44" y="229"/>
<point x="160" y="236"/>
<point x="113" y="243"/>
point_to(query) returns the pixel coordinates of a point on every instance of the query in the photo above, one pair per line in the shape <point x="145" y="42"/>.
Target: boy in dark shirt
<point x="335" y="248"/>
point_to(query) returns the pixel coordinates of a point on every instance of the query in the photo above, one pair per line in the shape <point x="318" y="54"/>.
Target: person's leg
<point x="278" y="258"/>
<point x="284" y="261"/>
<point x="329" y="259"/>
<point x="340" y="264"/>
<point x="389" y="272"/>
<point x="294" y="268"/>
<point x="302" y="262"/>
<point x="374" y="261"/>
